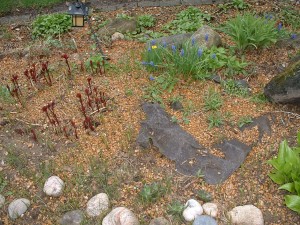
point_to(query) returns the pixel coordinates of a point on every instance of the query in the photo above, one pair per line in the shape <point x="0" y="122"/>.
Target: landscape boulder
<point x="18" y="207"/>
<point x="285" y="87"/>
<point x="74" y="217"/>
<point x="54" y="186"/>
<point x="206" y="37"/>
<point x="246" y="215"/>
<point x="120" y="216"/>
<point x="118" y="25"/>
<point x="97" y="205"/>
<point x="180" y="146"/>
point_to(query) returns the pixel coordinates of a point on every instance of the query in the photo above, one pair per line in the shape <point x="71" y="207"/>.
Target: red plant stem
<point x="51" y="108"/>
<point x="92" y="68"/>
<point x="34" y="135"/>
<point x="103" y="65"/>
<point x="65" y="132"/>
<point x="75" y="128"/>
<point x="99" y="67"/>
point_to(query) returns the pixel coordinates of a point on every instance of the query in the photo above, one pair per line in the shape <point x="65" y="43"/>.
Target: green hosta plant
<point x="51" y="25"/>
<point x="249" y="30"/>
<point x="188" y="20"/>
<point x="286" y="172"/>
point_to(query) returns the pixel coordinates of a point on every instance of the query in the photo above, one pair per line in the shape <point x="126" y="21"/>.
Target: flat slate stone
<point x="190" y="156"/>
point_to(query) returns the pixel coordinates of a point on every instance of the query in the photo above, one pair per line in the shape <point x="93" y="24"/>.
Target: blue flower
<point x="173" y="48"/>
<point x="200" y="52"/>
<point x="213" y="56"/>
<point x="151" y="78"/>
<point x="149" y="49"/>
<point x="144" y="63"/>
<point x="193" y="41"/>
<point x="293" y="36"/>
<point x="153" y="42"/>
<point x="268" y="17"/>
<point x="151" y="63"/>
<point x="164" y="44"/>
<point x="279" y="26"/>
<point x="206" y="37"/>
<point x="182" y="52"/>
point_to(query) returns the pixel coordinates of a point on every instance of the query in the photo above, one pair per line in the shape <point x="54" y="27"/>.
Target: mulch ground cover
<point x="107" y="158"/>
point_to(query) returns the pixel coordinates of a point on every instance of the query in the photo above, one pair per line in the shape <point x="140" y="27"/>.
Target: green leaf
<point x="289" y="187"/>
<point x="293" y="202"/>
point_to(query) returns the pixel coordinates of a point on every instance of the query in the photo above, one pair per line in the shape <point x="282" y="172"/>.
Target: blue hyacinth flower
<point x="182" y="52"/>
<point x="144" y="63"/>
<point x="279" y="27"/>
<point x="151" y="63"/>
<point x="173" y="48"/>
<point x="293" y="36"/>
<point x="193" y="41"/>
<point x="206" y="37"/>
<point x="151" y="78"/>
<point x="200" y="52"/>
<point x="149" y="49"/>
<point x="153" y="42"/>
<point x="164" y="44"/>
<point x="213" y="56"/>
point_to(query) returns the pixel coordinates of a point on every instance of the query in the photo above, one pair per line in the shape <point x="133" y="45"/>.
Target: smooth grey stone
<point x="205" y="220"/>
<point x="74" y="217"/>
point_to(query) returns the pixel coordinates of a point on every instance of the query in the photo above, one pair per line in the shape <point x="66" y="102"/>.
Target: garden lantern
<point x="78" y="10"/>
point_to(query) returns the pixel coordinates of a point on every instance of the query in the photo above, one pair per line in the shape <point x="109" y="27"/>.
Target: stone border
<point x="129" y="4"/>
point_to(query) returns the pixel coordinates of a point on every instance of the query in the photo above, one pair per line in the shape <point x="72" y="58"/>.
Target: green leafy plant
<point x="231" y="87"/>
<point x="188" y="20"/>
<point x="123" y="16"/>
<point x="51" y="25"/>
<point x="249" y="30"/>
<point x="5" y="96"/>
<point x="175" y="208"/>
<point x="152" y="192"/>
<point x="215" y="120"/>
<point x="204" y="196"/>
<point x="234" y="4"/>
<point x="213" y="100"/>
<point x="145" y="21"/>
<point x="290" y="16"/>
<point x="286" y="172"/>
<point x="244" y="120"/>
<point x="259" y="98"/>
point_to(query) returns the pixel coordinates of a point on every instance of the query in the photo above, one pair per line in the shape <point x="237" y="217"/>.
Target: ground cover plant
<point x="78" y="118"/>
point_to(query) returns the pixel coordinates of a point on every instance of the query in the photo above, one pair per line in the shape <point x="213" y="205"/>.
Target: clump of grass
<point x="244" y="120"/>
<point x="213" y="100"/>
<point x="233" y="88"/>
<point x="204" y="196"/>
<point x="249" y="30"/>
<point x="152" y="192"/>
<point x="215" y="120"/>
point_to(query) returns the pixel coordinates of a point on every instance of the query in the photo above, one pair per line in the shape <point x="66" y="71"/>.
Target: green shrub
<point x="215" y="120"/>
<point x="249" y="30"/>
<point x="188" y="20"/>
<point x="51" y="25"/>
<point x="291" y="17"/>
<point x="286" y="172"/>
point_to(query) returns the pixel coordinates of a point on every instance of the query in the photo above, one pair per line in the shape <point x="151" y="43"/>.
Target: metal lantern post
<point x="78" y="10"/>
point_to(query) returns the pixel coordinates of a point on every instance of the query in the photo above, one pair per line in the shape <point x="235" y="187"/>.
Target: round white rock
<point x="18" y="207"/>
<point x="120" y="216"/>
<point x="54" y="186"/>
<point x="97" y="205"/>
<point x="210" y="209"/>
<point x="246" y="215"/>
<point x="193" y="209"/>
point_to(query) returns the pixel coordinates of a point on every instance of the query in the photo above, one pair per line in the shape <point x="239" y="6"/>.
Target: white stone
<point x="97" y="205"/>
<point x="192" y="210"/>
<point x="117" y="36"/>
<point x="54" y="186"/>
<point x="210" y="209"/>
<point x="2" y="201"/>
<point x="120" y="216"/>
<point x="246" y="215"/>
<point x="18" y="207"/>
